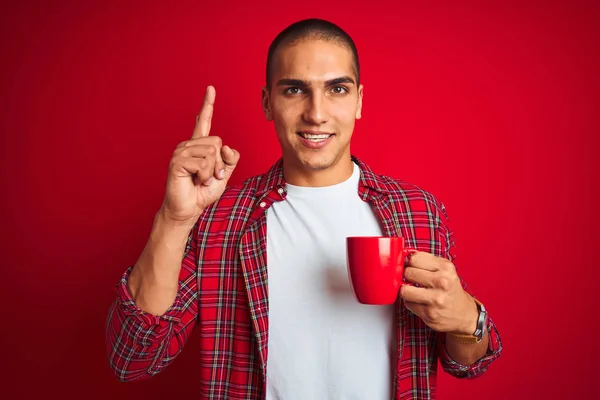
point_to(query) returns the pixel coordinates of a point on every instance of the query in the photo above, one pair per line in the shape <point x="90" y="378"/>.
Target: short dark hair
<point x="312" y="28"/>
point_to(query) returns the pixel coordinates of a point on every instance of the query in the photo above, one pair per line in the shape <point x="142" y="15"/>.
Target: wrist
<point x="168" y="235"/>
<point x="163" y="221"/>
<point x="470" y="334"/>
<point x="158" y="267"/>
<point x="470" y="315"/>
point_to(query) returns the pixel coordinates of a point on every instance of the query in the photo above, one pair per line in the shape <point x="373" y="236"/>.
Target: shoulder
<point x="399" y="189"/>
<point x="417" y="205"/>
<point x="411" y="198"/>
<point x="404" y="195"/>
<point x="407" y="191"/>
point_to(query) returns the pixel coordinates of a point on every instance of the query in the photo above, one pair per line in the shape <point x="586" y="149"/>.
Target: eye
<point x="293" y="90"/>
<point x="339" y="90"/>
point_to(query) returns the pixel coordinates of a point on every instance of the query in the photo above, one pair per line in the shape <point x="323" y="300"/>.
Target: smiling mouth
<point x="315" y="136"/>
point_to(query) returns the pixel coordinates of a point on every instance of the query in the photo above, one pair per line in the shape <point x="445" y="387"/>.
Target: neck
<point x="298" y="174"/>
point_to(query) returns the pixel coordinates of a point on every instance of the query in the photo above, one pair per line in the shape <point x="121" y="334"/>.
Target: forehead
<point x="313" y="60"/>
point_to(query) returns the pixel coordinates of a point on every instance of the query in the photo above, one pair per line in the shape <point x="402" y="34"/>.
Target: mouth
<point x="315" y="136"/>
<point x="315" y="140"/>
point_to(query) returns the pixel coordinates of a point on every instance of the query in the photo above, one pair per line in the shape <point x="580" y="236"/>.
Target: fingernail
<point x="222" y="174"/>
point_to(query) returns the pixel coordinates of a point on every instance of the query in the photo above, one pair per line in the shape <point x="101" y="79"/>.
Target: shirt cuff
<point x="478" y="367"/>
<point x="129" y="308"/>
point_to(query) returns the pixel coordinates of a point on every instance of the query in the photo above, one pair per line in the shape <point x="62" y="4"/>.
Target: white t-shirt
<point x="323" y="344"/>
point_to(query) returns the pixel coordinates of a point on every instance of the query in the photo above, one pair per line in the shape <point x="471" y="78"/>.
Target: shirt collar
<point x="274" y="179"/>
<point x="370" y="179"/>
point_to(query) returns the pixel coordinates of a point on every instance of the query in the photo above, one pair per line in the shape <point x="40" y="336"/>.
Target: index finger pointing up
<point x="202" y="128"/>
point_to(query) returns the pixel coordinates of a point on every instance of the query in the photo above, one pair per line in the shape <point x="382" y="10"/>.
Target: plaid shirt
<point x="223" y="292"/>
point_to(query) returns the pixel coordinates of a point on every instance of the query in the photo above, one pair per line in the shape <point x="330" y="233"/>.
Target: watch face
<point x="482" y="321"/>
<point x="485" y="324"/>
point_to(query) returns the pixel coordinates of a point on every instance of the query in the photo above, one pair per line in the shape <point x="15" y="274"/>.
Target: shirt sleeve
<point x="494" y="350"/>
<point x="478" y="367"/>
<point x="139" y="344"/>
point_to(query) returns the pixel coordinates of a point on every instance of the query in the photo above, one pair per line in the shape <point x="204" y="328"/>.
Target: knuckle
<point x="212" y="151"/>
<point x="218" y="141"/>
<point x="180" y="147"/>
<point x="443" y="283"/>
<point x="430" y="314"/>
<point x="183" y="152"/>
<point x="438" y="301"/>
<point x="203" y="163"/>
<point x="447" y="265"/>
<point x="177" y="156"/>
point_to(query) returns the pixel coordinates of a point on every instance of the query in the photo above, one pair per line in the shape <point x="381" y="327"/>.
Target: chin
<point x="317" y="162"/>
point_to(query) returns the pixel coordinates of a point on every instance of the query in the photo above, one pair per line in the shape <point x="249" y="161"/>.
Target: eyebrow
<point x="301" y="83"/>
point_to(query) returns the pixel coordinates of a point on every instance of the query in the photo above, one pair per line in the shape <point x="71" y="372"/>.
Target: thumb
<point x="230" y="158"/>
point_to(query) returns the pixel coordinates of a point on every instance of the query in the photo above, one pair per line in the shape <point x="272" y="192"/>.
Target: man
<point x="263" y="274"/>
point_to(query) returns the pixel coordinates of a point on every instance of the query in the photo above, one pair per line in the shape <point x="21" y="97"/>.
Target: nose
<point x="315" y="111"/>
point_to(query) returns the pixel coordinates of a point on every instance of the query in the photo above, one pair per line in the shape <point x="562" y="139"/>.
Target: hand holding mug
<point x="439" y="300"/>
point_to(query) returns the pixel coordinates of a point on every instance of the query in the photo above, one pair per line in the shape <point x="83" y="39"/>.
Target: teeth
<point x="314" y="137"/>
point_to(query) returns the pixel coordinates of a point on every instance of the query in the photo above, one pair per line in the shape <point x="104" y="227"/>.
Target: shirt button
<point x="263" y="204"/>
<point x="280" y="190"/>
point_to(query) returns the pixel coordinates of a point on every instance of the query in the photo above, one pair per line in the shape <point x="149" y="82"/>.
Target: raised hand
<point x="199" y="169"/>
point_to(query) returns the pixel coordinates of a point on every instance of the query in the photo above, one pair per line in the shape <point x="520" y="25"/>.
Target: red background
<point x="492" y="106"/>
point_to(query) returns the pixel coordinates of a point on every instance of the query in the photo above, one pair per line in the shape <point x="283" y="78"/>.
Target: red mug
<point x="376" y="267"/>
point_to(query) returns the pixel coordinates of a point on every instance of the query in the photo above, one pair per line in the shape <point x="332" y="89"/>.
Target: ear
<point x="266" y="104"/>
<point x="360" y="99"/>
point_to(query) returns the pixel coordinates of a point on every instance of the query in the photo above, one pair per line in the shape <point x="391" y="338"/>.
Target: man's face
<point x="314" y="102"/>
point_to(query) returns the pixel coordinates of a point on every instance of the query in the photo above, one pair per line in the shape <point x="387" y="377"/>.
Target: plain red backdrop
<point x="492" y="106"/>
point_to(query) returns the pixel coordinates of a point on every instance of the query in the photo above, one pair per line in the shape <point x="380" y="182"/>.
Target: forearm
<point x="154" y="279"/>
<point x="146" y="335"/>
